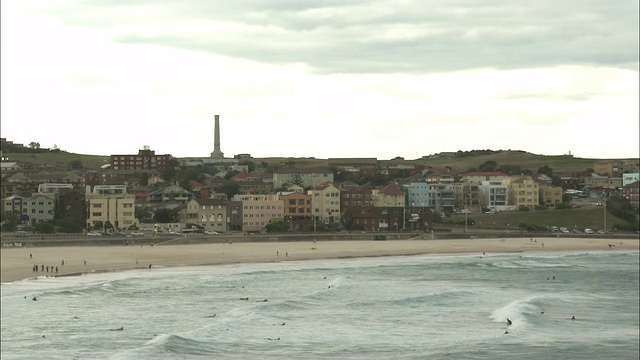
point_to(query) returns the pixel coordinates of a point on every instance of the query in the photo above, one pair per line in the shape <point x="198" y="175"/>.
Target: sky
<point x="323" y="79"/>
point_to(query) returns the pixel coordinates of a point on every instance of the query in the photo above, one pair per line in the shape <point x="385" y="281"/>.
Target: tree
<point x="34" y="145"/>
<point x="488" y="166"/>
<point x="230" y="188"/>
<point x="546" y="170"/>
<point x="75" y="164"/>
<point x="143" y="214"/>
<point x="165" y="216"/>
<point x="277" y="226"/>
<point x="297" y="180"/>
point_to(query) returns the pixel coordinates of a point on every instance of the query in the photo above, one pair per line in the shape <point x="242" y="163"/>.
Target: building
<point x="494" y="195"/>
<point x="630" y="178"/>
<point x="297" y="208"/>
<point x="550" y="196"/>
<point x="354" y="196"/>
<point x="478" y="177"/>
<point x="145" y="160"/>
<point x="67" y="201"/>
<point x="442" y="197"/>
<point x="52" y="188"/>
<point x="305" y="177"/>
<point x="210" y="214"/>
<point x="325" y="202"/>
<point x="110" y="204"/>
<point x="40" y="208"/>
<point x="418" y="194"/>
<point x="632" y="193"/>
<point x="16" y="205"/>
<point x="388" y="195"/>
<point x="523" y="191"/>
<point x="259" y="210"/>
<point x="609" y="168"/>
<point x="353" y="165"/>
<point x="170" y="193"/>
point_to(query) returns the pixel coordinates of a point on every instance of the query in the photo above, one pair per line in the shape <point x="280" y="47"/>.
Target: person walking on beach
<point x="30" y="256"/>
<point x="85" y="263"/>
<point x="149" y="266"/>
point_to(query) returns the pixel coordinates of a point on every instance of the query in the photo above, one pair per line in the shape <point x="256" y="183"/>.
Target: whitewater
<point x="411" y="307"/>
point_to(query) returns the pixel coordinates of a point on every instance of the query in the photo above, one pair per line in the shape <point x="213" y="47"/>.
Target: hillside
<point x="561" y="165"/>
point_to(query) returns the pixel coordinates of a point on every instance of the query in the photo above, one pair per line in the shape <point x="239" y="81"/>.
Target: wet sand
<point x="17" y="264"/>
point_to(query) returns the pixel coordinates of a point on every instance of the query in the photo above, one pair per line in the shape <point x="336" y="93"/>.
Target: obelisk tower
<point x="217" y="154"/>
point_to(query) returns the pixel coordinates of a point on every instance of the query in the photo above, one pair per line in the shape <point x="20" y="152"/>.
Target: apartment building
<point x="418" y="194"/>
<point x="550" y="196"/>
<point x="523" y="191"/>
<point x="145" y="159"/>
<point x="112" y="204"/>
<point x="442" y="197"/>
<point x="479" y="176"/>
<point x="494" y="195"/>
<point x="210" y="214"/>
<point x="388" y="195"/>
<point x="325" y="202"/>
<point x="259" y="210"/>
<point x="353" y="195"/>
<point x="297" y="207"/>
<point x="40" y="207"/>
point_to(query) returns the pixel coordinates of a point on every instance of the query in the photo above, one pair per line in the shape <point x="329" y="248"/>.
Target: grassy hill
<point x="579" y="218"/>
<point x="561" y="165"/>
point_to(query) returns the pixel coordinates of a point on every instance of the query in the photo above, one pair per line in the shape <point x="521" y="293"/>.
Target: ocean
<point x="411" y="307"/>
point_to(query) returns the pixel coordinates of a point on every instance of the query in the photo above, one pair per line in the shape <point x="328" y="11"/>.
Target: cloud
<point x="379" y="36"/>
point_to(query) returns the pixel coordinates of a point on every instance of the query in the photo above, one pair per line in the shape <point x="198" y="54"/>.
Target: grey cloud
<point x="383" y="37"/>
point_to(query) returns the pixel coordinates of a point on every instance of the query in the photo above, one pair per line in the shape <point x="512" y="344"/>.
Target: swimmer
<point x="509" y="322"/>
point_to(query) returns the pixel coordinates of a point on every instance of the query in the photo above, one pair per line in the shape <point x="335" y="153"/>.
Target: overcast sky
<point x="322" y="78"/>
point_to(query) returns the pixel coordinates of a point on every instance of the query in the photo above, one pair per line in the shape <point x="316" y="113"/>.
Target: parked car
<point x="93" y="233"/>
<point x="137" y="233"/>
<point x="211" y="232"/>
<point x="564" y="230"/>
<point x="601" y="232"/>
<point x="588" y="231"/>
<point x="576" y="231"/>
<point x="20" y="233"/>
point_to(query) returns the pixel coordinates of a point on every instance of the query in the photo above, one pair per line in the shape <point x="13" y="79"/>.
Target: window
<point x="96" y="214"/>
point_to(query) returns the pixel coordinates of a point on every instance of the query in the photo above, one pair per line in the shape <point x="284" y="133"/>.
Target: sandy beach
<point x="17" y="263"/>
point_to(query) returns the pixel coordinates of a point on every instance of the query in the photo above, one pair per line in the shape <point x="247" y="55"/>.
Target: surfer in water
<point x="509" y="322"/>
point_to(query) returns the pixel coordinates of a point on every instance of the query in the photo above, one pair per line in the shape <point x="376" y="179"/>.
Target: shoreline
<point x="17" y="263"/>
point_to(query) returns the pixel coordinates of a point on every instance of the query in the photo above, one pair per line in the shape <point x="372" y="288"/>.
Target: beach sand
<point x="17" y="263"/>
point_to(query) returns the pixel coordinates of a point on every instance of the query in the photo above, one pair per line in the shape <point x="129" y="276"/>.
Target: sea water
<point x="419" y="307"/>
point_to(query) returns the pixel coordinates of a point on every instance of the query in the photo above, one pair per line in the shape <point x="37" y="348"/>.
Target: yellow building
<point x="550" y="196"/>
<point x="111" y="203"/>
<point x="325" y="203"/>
<point x="523" y="191"/>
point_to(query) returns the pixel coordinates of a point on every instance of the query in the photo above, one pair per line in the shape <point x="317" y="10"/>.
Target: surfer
<point x="34" y="299"/>
<point x="573" y="318"/>
<point x="506" y="331"/>
<point x="509" y="322"/>
<point x="118" y="329"/>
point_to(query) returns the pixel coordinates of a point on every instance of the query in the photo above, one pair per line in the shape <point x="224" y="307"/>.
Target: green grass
<point x="580" y="218"/>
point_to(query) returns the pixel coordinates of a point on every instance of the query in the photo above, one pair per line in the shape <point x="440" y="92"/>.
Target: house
<point x="170" y="193"/>
<point x="8" y="166"/>
<point x="353" y="165"/>
<point x="442" y="197"/>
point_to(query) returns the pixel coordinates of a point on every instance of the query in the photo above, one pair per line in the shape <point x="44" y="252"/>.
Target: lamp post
<point x="604" y="208"/>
